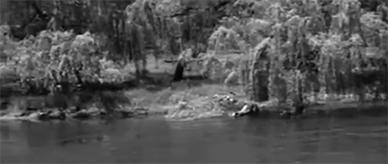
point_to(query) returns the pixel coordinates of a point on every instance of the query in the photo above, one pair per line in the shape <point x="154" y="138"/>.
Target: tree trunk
<point x="260" y="73"/>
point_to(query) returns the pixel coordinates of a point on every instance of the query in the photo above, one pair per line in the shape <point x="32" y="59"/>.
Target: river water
<point x="361" y="139"/>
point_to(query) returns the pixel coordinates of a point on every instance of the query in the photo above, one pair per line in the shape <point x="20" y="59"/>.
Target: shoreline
<point x="180" y="101"/>
<point x="338" y="109"/>
<point x="172" y="110"/>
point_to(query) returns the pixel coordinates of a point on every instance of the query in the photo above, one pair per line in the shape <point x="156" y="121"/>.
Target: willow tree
<point x="224" y="39"/>
<point x="349" y="50"/>
<point x="288" y="53"/>
<point x="134" y="35"/>
<point x="259" y="74"/>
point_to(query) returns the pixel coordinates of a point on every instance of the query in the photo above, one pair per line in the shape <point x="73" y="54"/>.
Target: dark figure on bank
<point x="178" y="74"/>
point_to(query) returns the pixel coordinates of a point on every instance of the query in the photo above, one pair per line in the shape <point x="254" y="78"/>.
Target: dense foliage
<point x="288" y="50"/>
<point x="327" y="47"/>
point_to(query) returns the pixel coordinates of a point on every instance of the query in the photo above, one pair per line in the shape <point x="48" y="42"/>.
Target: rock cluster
<point x="75" y="113"/>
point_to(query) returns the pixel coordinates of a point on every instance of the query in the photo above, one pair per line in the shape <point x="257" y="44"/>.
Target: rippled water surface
<point x="361" y="139"/>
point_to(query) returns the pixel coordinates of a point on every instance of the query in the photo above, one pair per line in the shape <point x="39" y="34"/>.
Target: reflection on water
<point x="326" y="140"/>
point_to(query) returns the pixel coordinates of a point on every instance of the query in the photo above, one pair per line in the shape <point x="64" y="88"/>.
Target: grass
<point x="166" y="100"/>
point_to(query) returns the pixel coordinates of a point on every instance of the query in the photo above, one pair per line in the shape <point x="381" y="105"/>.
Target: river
<point x="360" y="139"/>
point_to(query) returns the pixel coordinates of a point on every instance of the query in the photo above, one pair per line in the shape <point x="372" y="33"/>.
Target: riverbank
<point x="180" y="101"/>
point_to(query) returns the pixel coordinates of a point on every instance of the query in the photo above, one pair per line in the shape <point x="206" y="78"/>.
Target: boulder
<point x="228" y="102"/>
<point x="83" y="114"/>
<point x="247" y="110"/>
<point x="57" y="115"/>
<point x="88" y="113"/>
<point x="25" y="114"/>
<point x="127" y="113"/>
<point x="43" y="116"/>
<point x="140" y="111"/>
